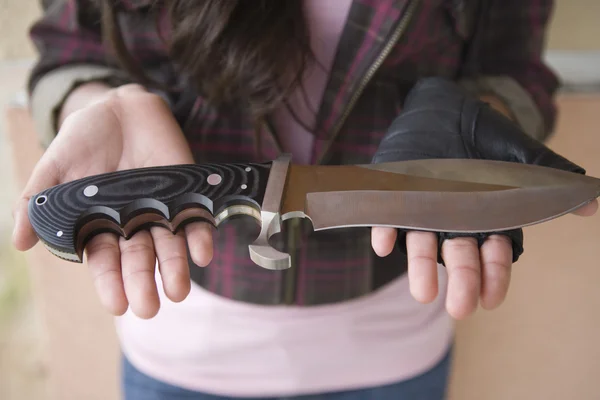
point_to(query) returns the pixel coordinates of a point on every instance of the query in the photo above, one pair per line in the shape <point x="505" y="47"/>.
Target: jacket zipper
<point x="291" y="277"/>
<point x="398" y="32"/>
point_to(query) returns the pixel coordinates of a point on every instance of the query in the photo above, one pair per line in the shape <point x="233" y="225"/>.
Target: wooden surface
<point x="541" y="344"/>
<point x="82" y="352"/>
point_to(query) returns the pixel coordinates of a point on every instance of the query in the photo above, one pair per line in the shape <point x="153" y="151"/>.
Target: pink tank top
<point x="212" y="344"/>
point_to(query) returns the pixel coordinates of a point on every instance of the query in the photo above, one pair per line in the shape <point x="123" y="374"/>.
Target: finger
<point x="496" y="264"/>
<point x="23" y="236"/>
<point x="172" y="263"/>
<point x="200" y="242"/>
<point x="422" y="249"/>
<point x="104" y="262"/>
<point x="44" y="176"/>
<point x="587" y="210"/>
<point x="461" y="256"/>
<point x="383" y="240"/>
<point x="137" y="263"/>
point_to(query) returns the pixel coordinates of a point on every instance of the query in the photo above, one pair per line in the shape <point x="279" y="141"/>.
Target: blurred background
<point x="542" y="343"/>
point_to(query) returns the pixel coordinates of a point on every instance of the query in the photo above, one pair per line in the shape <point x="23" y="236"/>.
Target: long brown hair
<point x="250" y="53"/>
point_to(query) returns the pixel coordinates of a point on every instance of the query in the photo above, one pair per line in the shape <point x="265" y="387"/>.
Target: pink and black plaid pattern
<point x="437" y="36"/>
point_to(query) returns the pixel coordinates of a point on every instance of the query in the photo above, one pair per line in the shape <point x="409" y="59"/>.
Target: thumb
<point x="44" y="175"/>
<point x="500" y="138"/>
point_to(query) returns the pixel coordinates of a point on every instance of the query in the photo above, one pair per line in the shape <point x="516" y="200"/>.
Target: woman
<point x="138" y="83"/>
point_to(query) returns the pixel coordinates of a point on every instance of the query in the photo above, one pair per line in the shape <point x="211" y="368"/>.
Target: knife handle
<point x="65" y="217"/>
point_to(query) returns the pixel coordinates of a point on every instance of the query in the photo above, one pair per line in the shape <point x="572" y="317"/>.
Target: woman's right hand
<point x="124" y="128"/>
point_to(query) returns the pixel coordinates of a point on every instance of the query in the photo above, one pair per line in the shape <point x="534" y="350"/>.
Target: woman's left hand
<point x="440" y="121"/>
<point x="474" y="274"/>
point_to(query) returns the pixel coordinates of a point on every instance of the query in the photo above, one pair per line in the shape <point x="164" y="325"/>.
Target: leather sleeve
<point x="505" y="59"/>
<point x="68" y="40"/>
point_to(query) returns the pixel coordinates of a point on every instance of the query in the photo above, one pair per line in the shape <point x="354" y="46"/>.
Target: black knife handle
<point x="65" y="217"/>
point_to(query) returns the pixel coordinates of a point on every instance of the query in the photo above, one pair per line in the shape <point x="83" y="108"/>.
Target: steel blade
<point x="484" y="171"/>
<point x="446" y="211"/>
<point x="303" y="179"/>
<point x="450" y="195"/>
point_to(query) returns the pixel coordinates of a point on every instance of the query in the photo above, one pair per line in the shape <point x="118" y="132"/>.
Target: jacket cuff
<point x="51" y="91"/>
<point x="520" y="103"/>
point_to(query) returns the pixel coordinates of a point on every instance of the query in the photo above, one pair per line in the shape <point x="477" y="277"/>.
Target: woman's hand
<point x="119" y="129"/>
<point x="475" y="275"/>
<point x="441" y="121"/>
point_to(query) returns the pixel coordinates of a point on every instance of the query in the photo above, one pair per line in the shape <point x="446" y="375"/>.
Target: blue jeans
<point x="430" y="385"/>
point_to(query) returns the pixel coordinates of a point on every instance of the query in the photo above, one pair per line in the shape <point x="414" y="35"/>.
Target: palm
<point x="92" y="141"/>
<point x="138" y="131"/>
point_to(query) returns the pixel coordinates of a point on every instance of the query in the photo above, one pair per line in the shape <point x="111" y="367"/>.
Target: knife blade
<point x="443" y="195"/>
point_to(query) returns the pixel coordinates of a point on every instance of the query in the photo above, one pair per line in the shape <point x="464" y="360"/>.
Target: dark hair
<point x="250" y="53"/>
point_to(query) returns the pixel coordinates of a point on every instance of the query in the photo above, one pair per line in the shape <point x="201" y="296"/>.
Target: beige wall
<point x="15" y="17"/>
<point x="575" y="25"/>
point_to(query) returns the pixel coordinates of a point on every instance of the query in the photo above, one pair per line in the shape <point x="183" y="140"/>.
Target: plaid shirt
<point x="491" y="47"/>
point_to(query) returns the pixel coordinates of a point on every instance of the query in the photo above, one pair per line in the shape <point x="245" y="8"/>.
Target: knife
<point x="441" y="195"/>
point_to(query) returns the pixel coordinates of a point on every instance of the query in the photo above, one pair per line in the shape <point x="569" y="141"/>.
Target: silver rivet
<point x="90" y="191"/>
<point x="244" y="186"/>
<point x="41" y="200"/>
<point x="214" y="179"/>
<point x="59" y="233"/>
<point x="248" y="169"/>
